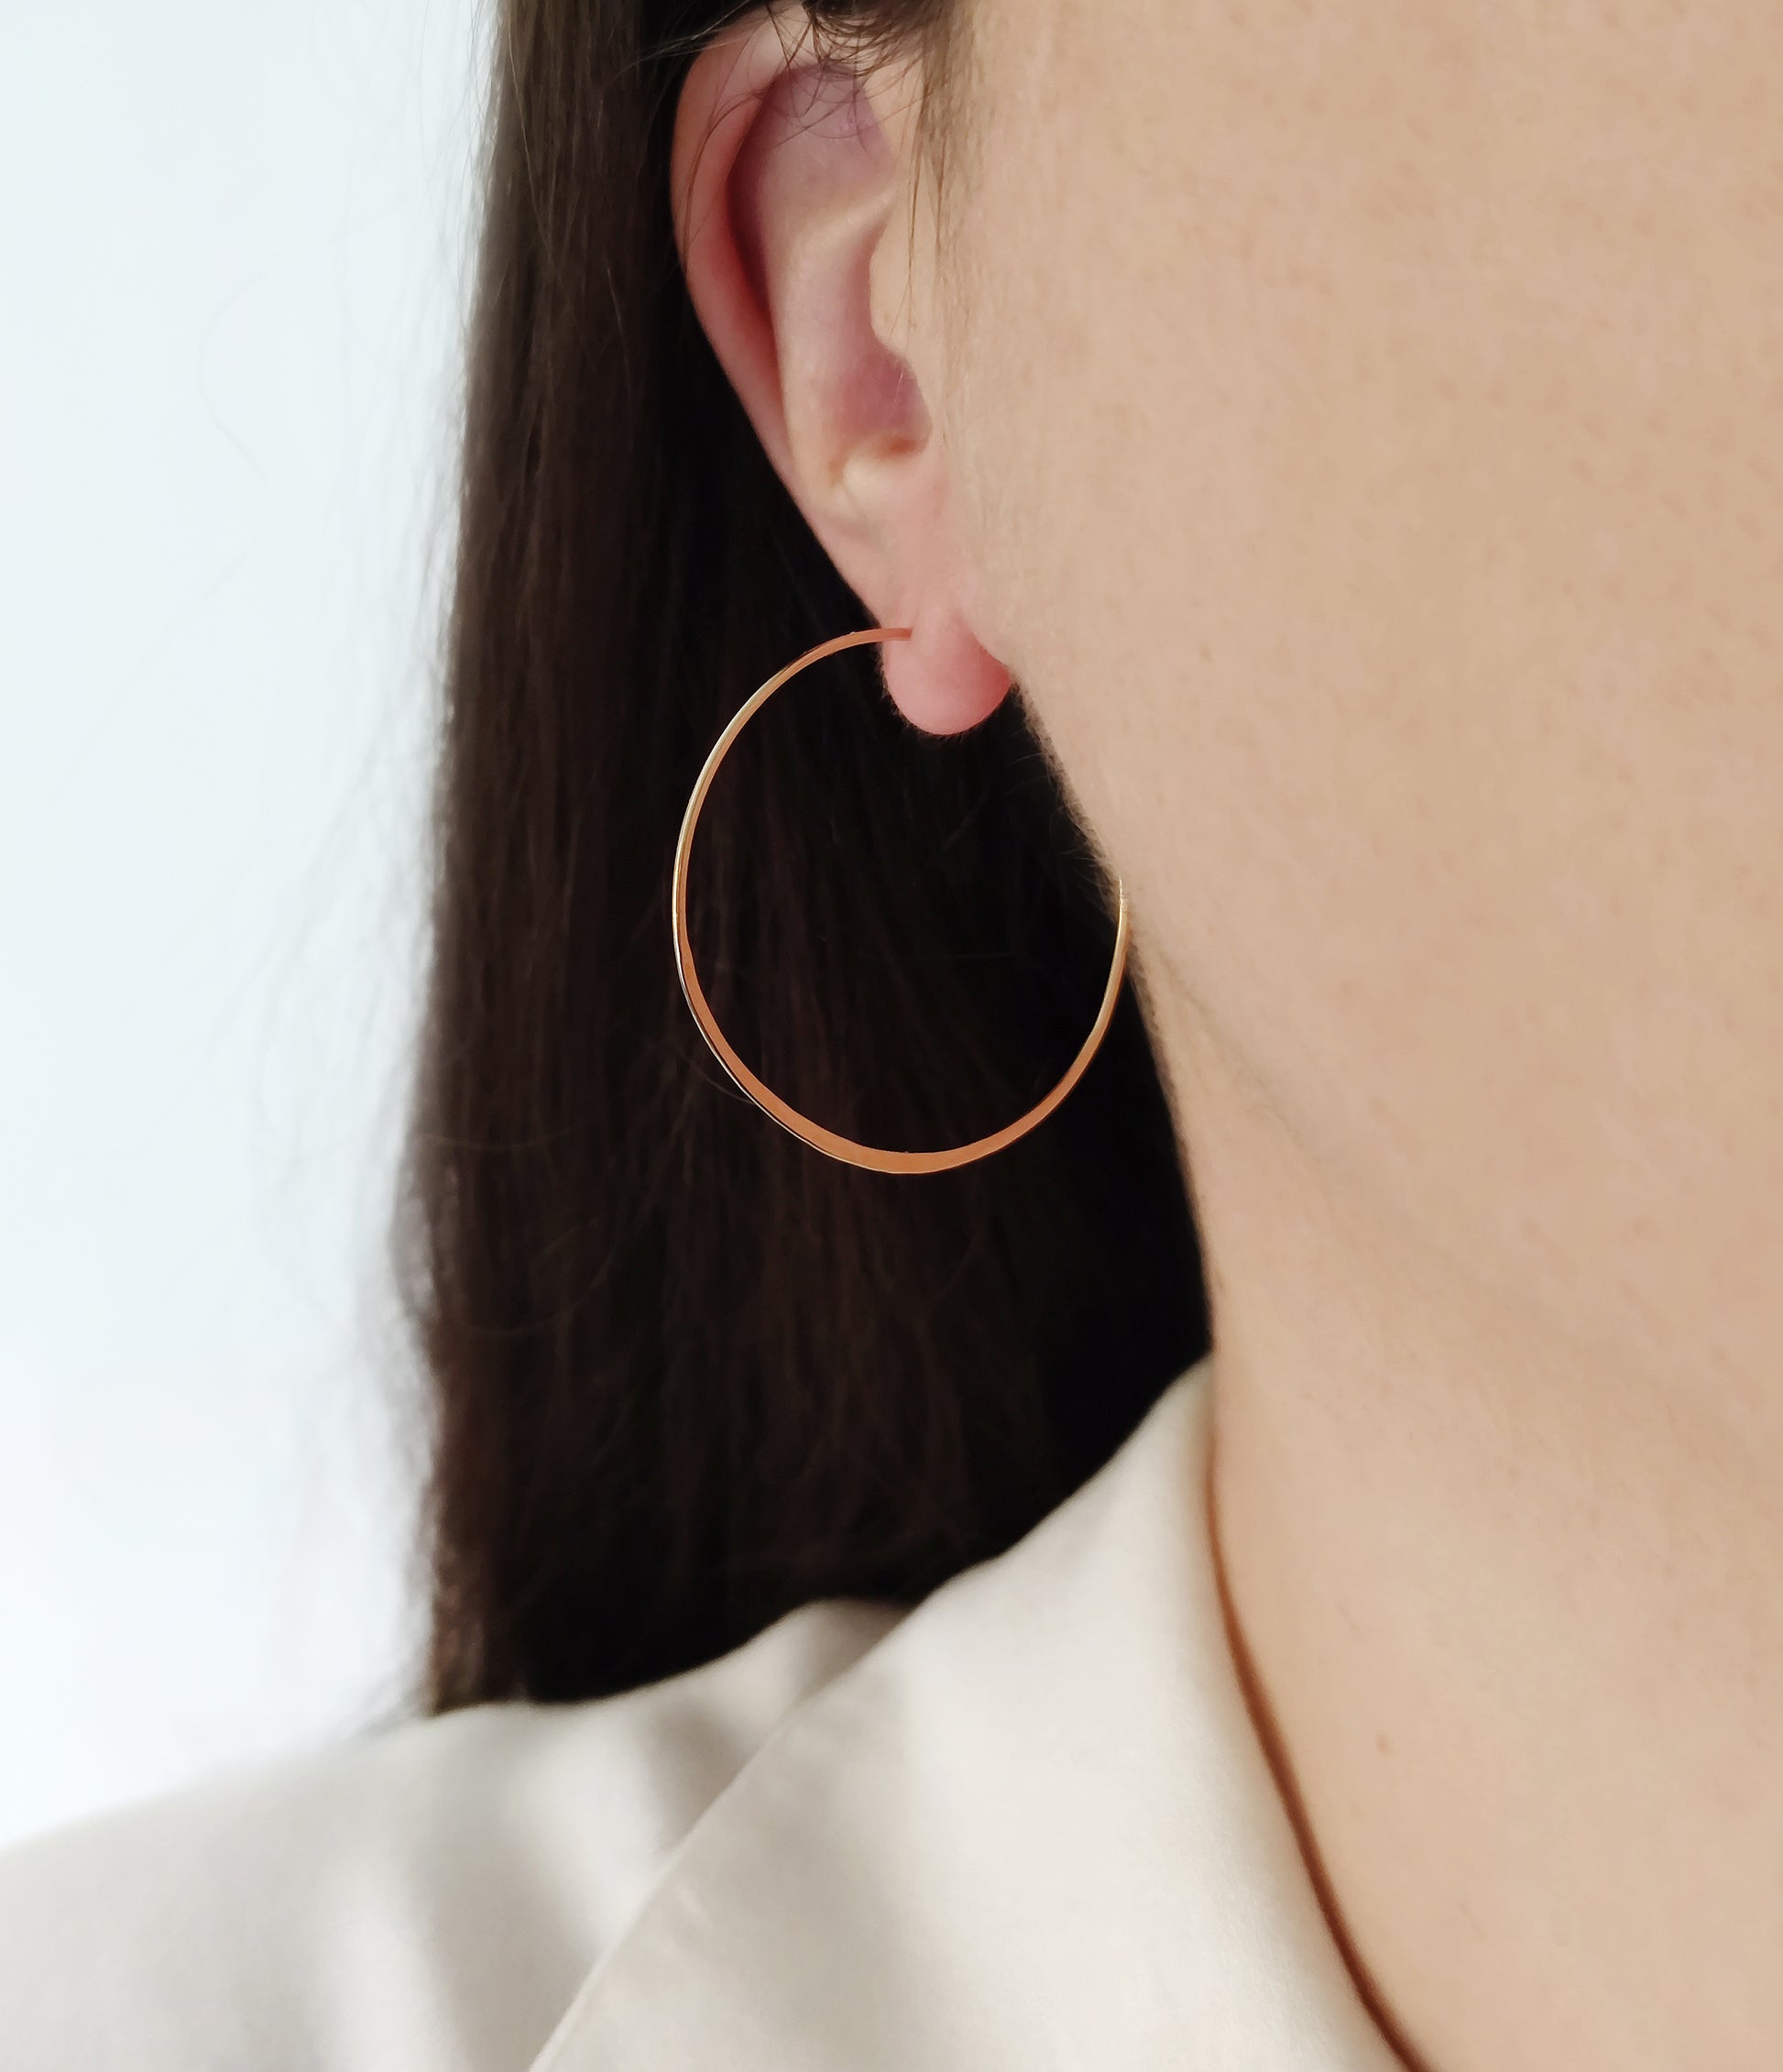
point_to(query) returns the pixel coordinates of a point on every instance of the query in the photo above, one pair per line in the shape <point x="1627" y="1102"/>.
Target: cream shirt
<point x="1026" y="1827"/>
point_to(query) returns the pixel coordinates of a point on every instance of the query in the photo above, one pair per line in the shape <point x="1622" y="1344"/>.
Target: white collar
<point x="1032" y="1827"/>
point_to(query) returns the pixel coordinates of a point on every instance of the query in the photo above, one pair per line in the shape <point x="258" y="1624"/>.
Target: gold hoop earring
<point x="764" y="1097"/>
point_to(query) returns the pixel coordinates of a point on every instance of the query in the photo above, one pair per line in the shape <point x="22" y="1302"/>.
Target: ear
<point x="792" y="189"/>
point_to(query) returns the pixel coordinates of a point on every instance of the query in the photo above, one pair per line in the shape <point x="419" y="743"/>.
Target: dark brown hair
<point x="685" y="1373"/>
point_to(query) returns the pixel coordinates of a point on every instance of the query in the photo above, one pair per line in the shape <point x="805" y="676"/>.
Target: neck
<point x="1512" y="1606"/>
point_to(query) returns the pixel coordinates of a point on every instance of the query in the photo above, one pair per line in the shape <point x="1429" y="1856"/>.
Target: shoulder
<point x="430" y="1896"/>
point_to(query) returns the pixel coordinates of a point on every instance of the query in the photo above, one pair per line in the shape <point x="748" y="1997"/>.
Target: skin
<point x="1360" y="432"/>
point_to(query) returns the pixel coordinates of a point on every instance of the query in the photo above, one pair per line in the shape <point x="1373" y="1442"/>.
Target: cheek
<point x="1388" y="540"/>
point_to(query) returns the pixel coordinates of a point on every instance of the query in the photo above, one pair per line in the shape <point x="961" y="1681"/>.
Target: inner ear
<point x="812" y="188"/>
<point x="835" y="140"/>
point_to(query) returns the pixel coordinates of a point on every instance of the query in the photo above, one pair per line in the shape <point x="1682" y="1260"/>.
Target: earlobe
<point x="943" y="679"/>
<point x="787" y="175"/>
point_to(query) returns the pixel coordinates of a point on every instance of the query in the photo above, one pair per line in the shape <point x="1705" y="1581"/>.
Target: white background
<point x="233" y="267"/>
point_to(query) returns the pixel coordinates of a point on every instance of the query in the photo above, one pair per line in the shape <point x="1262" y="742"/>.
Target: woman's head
<point x="1354" y="429"/>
